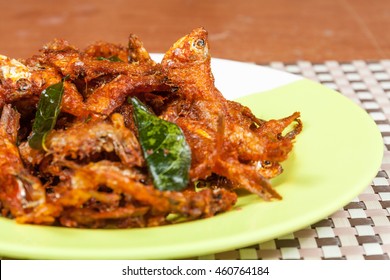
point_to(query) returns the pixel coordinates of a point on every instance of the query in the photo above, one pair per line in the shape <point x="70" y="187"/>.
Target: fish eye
<point x="200" y="43"/>
<point x="23" y="84"/>
<point x="267" y="163"/>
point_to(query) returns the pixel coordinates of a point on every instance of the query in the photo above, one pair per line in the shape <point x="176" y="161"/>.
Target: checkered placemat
<point x="361" y="230"/>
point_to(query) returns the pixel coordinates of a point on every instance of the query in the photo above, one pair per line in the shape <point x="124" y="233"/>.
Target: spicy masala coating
<point x="92" y="173"/>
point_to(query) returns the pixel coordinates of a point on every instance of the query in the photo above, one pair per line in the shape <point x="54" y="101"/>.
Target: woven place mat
<point x="361" y="230"/>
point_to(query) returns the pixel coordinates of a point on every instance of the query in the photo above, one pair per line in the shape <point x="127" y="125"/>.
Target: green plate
<point x="334" y="159"/>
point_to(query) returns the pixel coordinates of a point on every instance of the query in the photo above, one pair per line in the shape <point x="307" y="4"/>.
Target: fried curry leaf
<point x="165" y="149"/>
<point x="113" y="58"/>
<point x="46" y="116"/>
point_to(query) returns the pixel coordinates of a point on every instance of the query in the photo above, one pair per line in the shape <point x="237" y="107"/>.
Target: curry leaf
<point x="46" y="116"/>
<point x="165" y="149"/>
<point x="113" y="58"/>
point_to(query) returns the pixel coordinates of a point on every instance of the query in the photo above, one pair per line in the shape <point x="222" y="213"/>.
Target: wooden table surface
<point x="246" y="30"/>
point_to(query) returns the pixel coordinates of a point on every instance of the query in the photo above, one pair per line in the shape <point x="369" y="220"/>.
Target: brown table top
<point x="246" y="30"/>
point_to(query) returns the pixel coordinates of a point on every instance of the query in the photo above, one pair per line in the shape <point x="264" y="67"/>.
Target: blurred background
<point x="247" y="30"/>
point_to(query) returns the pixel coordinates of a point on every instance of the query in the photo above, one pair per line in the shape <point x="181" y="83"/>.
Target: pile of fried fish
<point x="106" y="137"/>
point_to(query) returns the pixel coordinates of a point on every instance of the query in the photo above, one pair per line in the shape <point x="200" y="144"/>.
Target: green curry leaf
<point x="165" y="149"/>
<point x="46" y="116"/>
<point x="113" y="58"/>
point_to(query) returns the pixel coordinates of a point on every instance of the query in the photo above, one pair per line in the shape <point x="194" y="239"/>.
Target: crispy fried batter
<point x="234" y="149"/>
<point x="20" y="191"/>
<point x="92" y="172"/>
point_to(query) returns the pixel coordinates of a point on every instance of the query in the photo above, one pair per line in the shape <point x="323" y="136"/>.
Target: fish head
<point x="192" y="48"/>
<point x="268" y="169"/>
<point x="15" y="78"/>
<point x="13" y="69"/>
